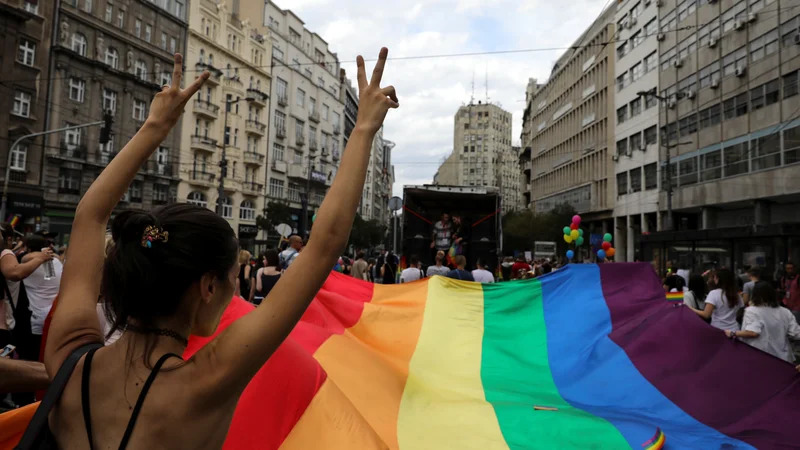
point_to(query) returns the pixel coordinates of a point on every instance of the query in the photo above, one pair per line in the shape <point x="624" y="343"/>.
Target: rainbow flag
<point x="675" y="297"/>
<point x="589" y="356"/>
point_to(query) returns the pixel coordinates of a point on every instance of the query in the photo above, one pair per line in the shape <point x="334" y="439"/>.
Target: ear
<point x="208" y="286"/>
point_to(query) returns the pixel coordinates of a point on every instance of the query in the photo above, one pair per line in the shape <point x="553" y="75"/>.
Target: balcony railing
<point x="251" y="187"/>
<point x="283" y="100"/>
<point x="206" y="108"/>
<point x="257" y="96"/>
<point x="233" y="82"/>
<point x="253" y="158"/>
<point x="313" y="116"/>
<point x="69" y="151"/>
<point x="204" y="143"/>
<point x="215" y="73"/>
<point x="255" y="126"/>
<point x="280" y="133"/>
<point x="203" y="177"/>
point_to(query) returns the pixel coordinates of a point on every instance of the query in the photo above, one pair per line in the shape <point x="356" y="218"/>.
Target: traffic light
<point x="105" y="132"/>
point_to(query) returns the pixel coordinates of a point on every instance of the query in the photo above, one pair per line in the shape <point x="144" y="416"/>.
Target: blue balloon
<point x="601" y="254"/>
<point x="570" y="254"/>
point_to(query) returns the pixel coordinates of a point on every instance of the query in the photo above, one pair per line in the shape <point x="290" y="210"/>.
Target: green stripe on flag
<point x="516" y="376"/>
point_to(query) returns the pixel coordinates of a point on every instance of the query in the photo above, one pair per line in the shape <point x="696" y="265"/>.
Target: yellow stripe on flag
<point x="443" y="404"/>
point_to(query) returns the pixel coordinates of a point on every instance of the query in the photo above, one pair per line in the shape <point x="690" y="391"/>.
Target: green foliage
<point x="521" y="229"/>
<point x="366" y="233"/>
<point x="277" y="213"/>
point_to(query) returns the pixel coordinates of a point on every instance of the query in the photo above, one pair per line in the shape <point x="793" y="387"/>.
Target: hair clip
<point x="153" y="233"/>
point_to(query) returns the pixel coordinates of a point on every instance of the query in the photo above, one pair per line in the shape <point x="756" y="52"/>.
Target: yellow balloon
<point x="567" y="239"/>
<point x="574" y="234"/>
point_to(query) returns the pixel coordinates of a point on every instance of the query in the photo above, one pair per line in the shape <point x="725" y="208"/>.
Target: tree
<point x="522" y="229"/>
<point x="366" y="233"/>
<point x="277" y="212"/>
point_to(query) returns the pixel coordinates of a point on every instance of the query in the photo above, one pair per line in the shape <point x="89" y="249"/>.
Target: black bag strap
<point x="39" y="420"/>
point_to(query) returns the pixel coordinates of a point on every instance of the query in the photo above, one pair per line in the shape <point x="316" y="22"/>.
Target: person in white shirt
<point x="722" y="303"/>
<point x="413" y="273"/>
<point x="482" y="275"/>
<point x="438" y="268"/>
<point x="767" y="326"/>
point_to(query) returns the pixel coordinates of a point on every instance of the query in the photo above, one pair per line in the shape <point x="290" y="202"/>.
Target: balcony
<point x="259" y="98"/>
<point x="255" y="127"/>
<point x="206" y="109"/>
<point x="233" y="83"/>
<point x="314" y="116"/>
<point x="102" y="158"/>
<point x="252" y="188"/>
<point x="160" y="169"/>
<point x="202" y="178"/>
<point x="68" y="151"/>
<point x="283" y="100"/>
<point x="216" y="74"/>
<point x="527" y="167"/>
<point x="299" y="140"/>
<point x="280" y="132"/>
<point x="204" y="143"/>
<point x="253" y="158"/>
<point x="312" y="146"/>
<point x="279" y="166"/>
<point x="337" y="129"/>
<point x="296" y="171"/>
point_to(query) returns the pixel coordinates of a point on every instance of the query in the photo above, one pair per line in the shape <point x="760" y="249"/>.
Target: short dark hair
<point x="461" y="260"/>
<point x="147" y="283"/>
<point x="272" y="258"/>
<point x="360" y="255"/>
<point x="764" y="295"/>
<point x="413" y="259"/>
<point x="37" y="243"/>
<point x="754" y="271"/>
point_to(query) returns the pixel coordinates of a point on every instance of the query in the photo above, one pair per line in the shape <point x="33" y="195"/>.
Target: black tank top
<point x="87" y="415"/>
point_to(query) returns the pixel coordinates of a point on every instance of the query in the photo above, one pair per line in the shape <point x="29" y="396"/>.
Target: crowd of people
<point x="759" y="311"/>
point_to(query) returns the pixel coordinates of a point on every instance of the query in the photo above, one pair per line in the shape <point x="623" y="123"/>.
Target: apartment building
<point x="525" y="151"/>
<point x="27" y="28"/>
<point x="569" y="129"/>
<point x="509" y="180"/>
<point x="636" y="154"/>
<point x="349" y="97"/>
<point x="447" y="173"/>
<point x="224" y="133"/>
<point x="731" y="122"/>
<point x="379" y="181"/>
<point x="108" y="56"/>
<point x="305" y="132"/>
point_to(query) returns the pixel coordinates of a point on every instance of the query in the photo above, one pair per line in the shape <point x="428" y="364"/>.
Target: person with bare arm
<point x="171" y="273"/>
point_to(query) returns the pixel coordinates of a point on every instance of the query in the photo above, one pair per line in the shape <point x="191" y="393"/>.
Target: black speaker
<point x="421" y="248"/>
<point x="486" y="251"/>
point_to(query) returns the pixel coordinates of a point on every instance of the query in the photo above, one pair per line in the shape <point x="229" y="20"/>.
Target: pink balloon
<point x="576" y="219"/>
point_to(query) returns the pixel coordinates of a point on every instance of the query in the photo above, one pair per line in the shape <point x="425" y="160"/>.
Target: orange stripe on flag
<point x="13" y="424"/>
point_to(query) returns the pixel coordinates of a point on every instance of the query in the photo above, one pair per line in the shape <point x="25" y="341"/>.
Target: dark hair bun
<point x="129" y="226"/>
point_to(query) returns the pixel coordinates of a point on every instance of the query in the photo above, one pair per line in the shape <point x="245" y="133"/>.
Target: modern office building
<point x="636" y="154"/>
<point x="226" y="123"/>
<point x="731" y="124"/>
<point x="305" y="132"/>
<point x="27" y="27"/>
<point x="568" y="126"/>
<point x="108" y="56"/>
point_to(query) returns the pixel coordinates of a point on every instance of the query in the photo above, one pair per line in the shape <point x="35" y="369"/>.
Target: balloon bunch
<point x="607" y="251"/>
<point x="573" y="234"/>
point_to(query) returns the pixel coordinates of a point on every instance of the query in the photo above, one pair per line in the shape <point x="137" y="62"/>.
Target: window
<point x="325" y="110"/>
<point x="247" y="211"/>
<point x="687" y="47"/>
<point x="312" y="105"/>
<point x="734" y="60"/>
<point x="277" y="151"/>
<point x="622" y="183"/>
<point x="138" y="110"/>
<point x="320" y="82"/>
<point x="709" y="116"/>
<point x="19" y="156"/>
<point x="280" y="121"/>
<point x="708" y="32"/>
<point x="766" y="152"/>
<point x="764" y="45"/>
<point x="650" y="101"/>
<point x="791" y="145"/>
<point x="651" y="135"/>
<point x="112" y="57"/>
<point x="300" y="98"/>
<point x="788" y="30"/>
<point x="282" y="88"/>
<point x="172" y="44"/>
<point x="622" y="50"/>
<point x="709" y="74"/>
<point x="336" y="119"/>
<point x="622" y="81"/>
<point x="735" y="159"/>
<point x="686" y="8"/>
<point x="163" y="40"/>
<point x="622" y="147"/>
<point x="622" y="114"/>
<point x="106" y="150"/>
<point x="636" y="106"/>
<point x="651" y="62"/>
<point x="141" y="70"/>
<point x="294" y="192"/>
<point x="32" y="6"/>
<point x="668" y="57"/>
<point x="790" y="84"/>
<point x="235" y="137"/>
<point x="72" y="137"/>
<point x="160" y="194"/>
<point x="165" y="78"/>
<point x="197" y="199"/>
<point x="227" y="207"/>
<point x="637" y="39"/>
<point x="299" y="126"/>
<point x="688" y="171"/>
<point x="135" y="192"/>
<point x="687" y="84"/>
<point x="651" y="28"/>
<point x="77" y="89"/>
<point x="711" y="166"/>
<point x="312" y="135"/>
<point x="109" y="101"/>
<point x="277" y="53"/>
<point x="69" y="181"/>
<point x="636" y="72"/>
<point x="137" y="28"/>
<point x="651" y="176"/>
<point x="730" y="16"/>
<point x="668" y="22"/>
<point x="109" y="13"/>
<point x="79" y="44"/>
<point x="22" y="104"/>
<point x="27" y="52"/>
<point x="636" y="179"/>
<point x="276" y="188"/>
<point x="121" y="19"/>
<point x="688" y="125"/>
<point x="308" y="73"/>
<point x="148" y="32"/>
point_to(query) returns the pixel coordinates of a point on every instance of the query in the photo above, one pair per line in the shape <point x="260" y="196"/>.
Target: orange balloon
<point x="610" y="252"/>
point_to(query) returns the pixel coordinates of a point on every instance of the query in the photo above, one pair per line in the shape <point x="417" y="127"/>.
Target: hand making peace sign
<point x="167" y="106"/>
<point x="374" y="101"/>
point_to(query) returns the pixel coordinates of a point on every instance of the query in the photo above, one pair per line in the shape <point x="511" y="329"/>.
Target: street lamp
<point x="223" y="162"/>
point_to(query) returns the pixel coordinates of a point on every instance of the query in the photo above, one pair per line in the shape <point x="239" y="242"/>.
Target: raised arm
<point x="75" y="322"/>
<point x="237" y="354"/>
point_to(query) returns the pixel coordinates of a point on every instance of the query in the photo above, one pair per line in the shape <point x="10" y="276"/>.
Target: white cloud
<point x="431" y="90"/>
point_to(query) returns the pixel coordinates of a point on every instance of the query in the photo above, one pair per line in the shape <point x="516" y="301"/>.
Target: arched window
<point x="227" y="208"/>
<point x="251" y="82"/>
<point x="197" y="198"/>
<point x="202" y="58"/>
<point x="141" y="69"/>
<point x="79" y="44"/>
<point x="211" y="59"/>
<point x="112" y="58"/>
<point x="247" y="211"/>
<point x="258" y="85"/>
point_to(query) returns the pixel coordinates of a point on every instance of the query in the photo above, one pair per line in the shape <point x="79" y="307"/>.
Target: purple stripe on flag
<point x="740" y="391"/>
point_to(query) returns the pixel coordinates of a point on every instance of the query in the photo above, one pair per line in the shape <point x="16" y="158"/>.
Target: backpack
<point x="286" y="260"/>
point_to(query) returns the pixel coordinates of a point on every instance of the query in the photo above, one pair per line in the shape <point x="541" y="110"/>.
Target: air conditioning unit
<point x="678" y="63"/>
<point x="752" y="17"/>
<point x="671" y="104"/>
<point x="615" y="157"/>
<point x="741" y="71"/>
<point x="738" y="24"/>
<point x="797" y="39"/>
<point x="690" y="94"/>
<point x="661" y="36"/>
<point x="714" y="83"/>
<point x="712" y="42"/>
<point x="626" y="25"/>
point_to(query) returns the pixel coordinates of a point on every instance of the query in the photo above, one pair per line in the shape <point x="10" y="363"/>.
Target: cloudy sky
<point x="431" y="90"/>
